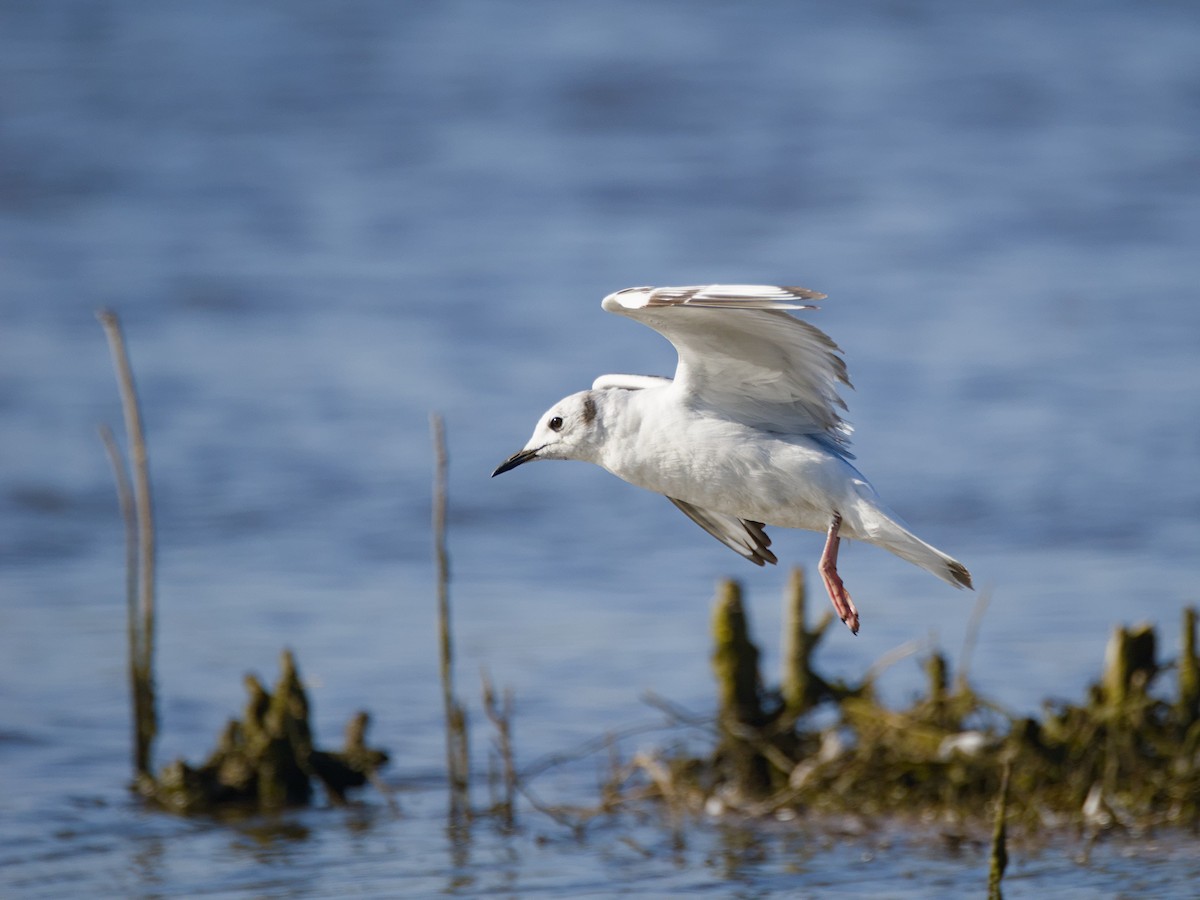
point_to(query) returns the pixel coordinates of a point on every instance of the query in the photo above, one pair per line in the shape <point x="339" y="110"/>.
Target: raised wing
<point x="740" y="535"/>
<point x="743" y="357"/>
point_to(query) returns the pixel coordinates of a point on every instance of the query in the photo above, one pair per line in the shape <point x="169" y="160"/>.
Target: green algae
<point x="267" y="760"/>
<point x="1124" y="756"/>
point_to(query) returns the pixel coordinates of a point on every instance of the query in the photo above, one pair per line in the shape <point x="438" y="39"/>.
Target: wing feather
<point x="741" y="355"/>
<point x="740" y="535"/>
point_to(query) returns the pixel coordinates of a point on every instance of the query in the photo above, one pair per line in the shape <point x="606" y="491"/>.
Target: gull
<point x="749" y="432"/>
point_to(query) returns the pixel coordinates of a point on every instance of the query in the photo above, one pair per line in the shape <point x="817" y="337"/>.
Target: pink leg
<point x="833" y="582"/>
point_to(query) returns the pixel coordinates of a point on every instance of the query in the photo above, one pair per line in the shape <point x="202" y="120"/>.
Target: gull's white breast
<point x="724" y="466"/>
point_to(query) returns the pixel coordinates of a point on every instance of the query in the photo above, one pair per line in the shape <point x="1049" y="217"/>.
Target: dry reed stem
<point x="145" y="711"/>
<point x="133" y="632"/>
<point x="998" y="860"/>
<point x="458" y="760"/>
<point x="499" y="711"/>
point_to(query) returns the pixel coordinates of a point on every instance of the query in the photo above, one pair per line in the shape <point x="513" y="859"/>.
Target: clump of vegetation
<point x="1122" y="757"/>
<point x="266" y="760"/>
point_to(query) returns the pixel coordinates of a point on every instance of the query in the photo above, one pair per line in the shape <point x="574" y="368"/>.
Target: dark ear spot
<point x="589" y="410"/>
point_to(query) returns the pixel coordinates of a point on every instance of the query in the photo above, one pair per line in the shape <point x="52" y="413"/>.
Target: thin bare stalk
<point x="893" y="656"/>
<point x="458" y="763"/>
<point x="129" y="517"/>
<point x="998" y="858"/>
<point x="595" y="745"/>
<point x="499" y="711"/>
<point x="147" y="724"/>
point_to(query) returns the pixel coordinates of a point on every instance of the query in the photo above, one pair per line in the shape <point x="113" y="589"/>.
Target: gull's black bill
<point x="515" y="460"/>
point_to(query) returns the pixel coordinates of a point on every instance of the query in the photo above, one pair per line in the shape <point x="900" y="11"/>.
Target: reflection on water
<point x="318" y="227"/>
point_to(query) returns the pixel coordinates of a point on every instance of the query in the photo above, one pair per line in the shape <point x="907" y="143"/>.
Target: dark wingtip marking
<point x="960" y="574"/>
<point x="762" y="541"/>
<point x="803" y="293"/>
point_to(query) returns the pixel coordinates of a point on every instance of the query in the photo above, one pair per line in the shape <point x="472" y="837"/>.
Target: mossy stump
<point x="1121" y="758"/>
<point x="1189" y="672"/>
<point x="741" y="767"/>
<point x="800" y="686"/>
<point x="267" y="761"/>
<point x="1129" y="664"/>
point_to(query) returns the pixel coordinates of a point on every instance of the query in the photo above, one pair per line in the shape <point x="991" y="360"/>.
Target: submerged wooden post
<point x="142" y="625"/>
<point x="739" y="710"/>
<point x="1189" y="671"/>
<point x="800" y="686"/>
<point x="267" y="761"/>
<point x="936" y="669"/>
<point x="735" y="658"/>
<point x="285" y="744"/>
<point x="1128" y="663"/>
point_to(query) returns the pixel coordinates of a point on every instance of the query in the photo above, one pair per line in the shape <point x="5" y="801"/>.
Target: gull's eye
<point x="556" y="423"/>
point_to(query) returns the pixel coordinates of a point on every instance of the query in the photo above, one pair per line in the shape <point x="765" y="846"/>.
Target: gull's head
<point x="567" y="430"/>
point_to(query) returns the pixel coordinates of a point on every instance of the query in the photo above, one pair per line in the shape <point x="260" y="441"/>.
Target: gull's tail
<point x="895" y="538"/>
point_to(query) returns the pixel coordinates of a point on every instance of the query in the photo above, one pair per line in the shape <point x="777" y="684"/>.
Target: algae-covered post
<point x="142" y="556"/>
<point x="1129" y="664"/>
<point x="998" y="860"/>
<point x="800" y="686"/>
<point x="1189" y="671"/>
<point x="458" y="759"/>
<point x="267" y="761"/>
<point x="739" y="711"/>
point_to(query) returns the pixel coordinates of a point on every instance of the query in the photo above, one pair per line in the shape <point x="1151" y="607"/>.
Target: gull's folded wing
<point x="740" y="535"/>
<point x="742" y="356"/>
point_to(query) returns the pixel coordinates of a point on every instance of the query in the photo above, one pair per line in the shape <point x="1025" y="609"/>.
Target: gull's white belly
<point x="786" y="480"/>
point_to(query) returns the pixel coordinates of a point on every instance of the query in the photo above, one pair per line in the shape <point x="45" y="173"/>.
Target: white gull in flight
<point x="748" y="433"/>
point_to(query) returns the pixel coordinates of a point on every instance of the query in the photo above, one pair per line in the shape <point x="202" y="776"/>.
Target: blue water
<point x="321" y="222"/>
